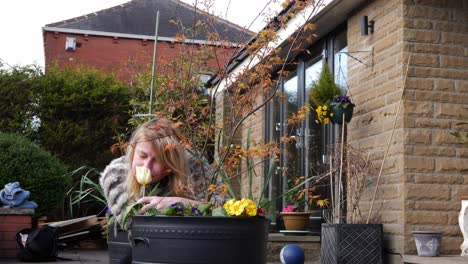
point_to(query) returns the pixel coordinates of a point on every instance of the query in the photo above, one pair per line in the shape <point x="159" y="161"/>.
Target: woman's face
<point x="146" y="156"/>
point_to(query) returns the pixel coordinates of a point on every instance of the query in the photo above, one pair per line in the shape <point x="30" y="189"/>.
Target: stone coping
<point x="446" y="259"/>
<point x="277" y="237"/>
<point x="16" y="211"/>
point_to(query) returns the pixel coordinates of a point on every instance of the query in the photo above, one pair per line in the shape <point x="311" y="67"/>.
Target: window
<point x="301" y="157"/>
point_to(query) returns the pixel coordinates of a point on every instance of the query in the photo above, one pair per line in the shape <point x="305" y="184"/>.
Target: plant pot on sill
<point x="338" y="112"/>
<point x="428" y="243"/>
<point x="295" y="220"/>
<point x="194" y="239"/>
<point x="352" y="243"/>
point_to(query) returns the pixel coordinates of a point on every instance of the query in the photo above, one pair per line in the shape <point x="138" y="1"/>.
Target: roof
<point x="138" y="17"/>
<point x="331" y="15"/>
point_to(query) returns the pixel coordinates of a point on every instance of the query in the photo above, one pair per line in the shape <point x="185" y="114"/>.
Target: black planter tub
<point x="193" y="239"/>
<point x="352" y="243"/>
<point x="119" y="248"/>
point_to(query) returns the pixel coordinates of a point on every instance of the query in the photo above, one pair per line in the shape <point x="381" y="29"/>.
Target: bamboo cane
<point x="349" y="197"/>
<point x="332" y="189"/>
<point x="389" y="140"/>
<point x="341" y="168"/>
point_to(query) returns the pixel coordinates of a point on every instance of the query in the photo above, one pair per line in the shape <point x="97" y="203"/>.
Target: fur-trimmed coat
<point x="113" y="183"/>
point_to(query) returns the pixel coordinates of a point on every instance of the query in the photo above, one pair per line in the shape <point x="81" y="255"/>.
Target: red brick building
<point x="120" y="39"/>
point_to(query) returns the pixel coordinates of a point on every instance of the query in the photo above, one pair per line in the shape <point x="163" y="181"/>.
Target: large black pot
<point x="352" y="243"/>
<point x="119" y="248"/>
<point x="193" y="239"/>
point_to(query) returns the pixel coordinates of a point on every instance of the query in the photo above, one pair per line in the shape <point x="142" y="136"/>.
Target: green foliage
<point x="80" y="111"/>
<point x="35" y="169"/>
<point x="325" y="89"/>
<point x="85" y="194"/>
<point x="17" y="109"/>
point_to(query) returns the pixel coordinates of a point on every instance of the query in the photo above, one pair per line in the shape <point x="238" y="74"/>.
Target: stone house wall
<point x="426" y="169"/>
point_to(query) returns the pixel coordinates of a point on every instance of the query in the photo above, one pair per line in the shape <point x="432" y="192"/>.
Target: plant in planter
<point x="352" y="240"/>
<point x="205" y="234"/>
<point x="322" y="93"/>
<point x="301" y="201"/>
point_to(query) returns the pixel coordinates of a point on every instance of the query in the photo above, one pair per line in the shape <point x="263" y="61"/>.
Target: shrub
<point x="80" y="111"/>
<point x="17" y="93"/>
<point x="35" y="169"/>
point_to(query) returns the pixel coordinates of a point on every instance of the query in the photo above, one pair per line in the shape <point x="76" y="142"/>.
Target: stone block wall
<point x="12" y="220"/>
<point x="436" y="99"/>
<point x="426" y="169"/>
<point x="375" y="89"/>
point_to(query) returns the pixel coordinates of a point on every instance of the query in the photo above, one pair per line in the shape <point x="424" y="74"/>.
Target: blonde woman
<point x="155" y="145"/>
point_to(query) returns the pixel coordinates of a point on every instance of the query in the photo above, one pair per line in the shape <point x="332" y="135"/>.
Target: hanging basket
<point x="338" y="112"/>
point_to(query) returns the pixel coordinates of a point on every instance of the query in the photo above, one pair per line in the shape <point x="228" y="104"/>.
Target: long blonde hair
<point x="169" y="151"/>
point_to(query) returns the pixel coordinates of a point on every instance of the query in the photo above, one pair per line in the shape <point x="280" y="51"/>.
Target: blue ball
<point x="292" y="254"/>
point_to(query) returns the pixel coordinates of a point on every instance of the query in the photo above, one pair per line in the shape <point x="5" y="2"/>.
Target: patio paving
<point x="75" y="256"/>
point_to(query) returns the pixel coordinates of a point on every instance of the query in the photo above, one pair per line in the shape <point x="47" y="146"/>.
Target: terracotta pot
<point x="295" y="220"/>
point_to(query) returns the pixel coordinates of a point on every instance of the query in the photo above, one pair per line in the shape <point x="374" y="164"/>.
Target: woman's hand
<point x="161" y="202"/>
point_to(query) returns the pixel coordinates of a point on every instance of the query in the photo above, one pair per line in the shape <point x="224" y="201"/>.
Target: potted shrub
<point x="303" y="201"/>
<point x="324" y="89"/>
<point x="322" y="93"/>
<point x="353" y="240"/>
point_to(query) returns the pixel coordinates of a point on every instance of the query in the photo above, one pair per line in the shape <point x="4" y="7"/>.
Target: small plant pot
<point x="428" y="243"/>
<point x="295" y="220"/>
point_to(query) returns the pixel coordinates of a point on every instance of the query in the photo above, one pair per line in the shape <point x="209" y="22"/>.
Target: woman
<point x="155" y="145"/>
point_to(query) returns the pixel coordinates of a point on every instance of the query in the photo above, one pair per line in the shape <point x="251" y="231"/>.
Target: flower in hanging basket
<point x="342" y="101"/>
<point x="341" y="106"/>
<point x="323" y="114"/>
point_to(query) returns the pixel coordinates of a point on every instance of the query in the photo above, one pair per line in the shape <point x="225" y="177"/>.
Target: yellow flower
<point x="228" y="206"/>
<point x="325" y="107"/>
<point x="331" y="114"/>
<point x="237" y="208"/>
<point x="326" y="120"/>
<point x="324" y="113"/>
<point x="244" y="207"/>
<point x="143" y="175"/>
<point x="250" y="207"/>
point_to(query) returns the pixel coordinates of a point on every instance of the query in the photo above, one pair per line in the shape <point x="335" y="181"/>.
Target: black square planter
<point x="352" y="243"/>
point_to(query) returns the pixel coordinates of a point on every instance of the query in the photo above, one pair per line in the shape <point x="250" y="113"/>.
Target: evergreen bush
<point x="325" y="89"/>
<point x="81" y="113"/>
<point x="17" y="109"/>
<point x="36" y="170"/>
